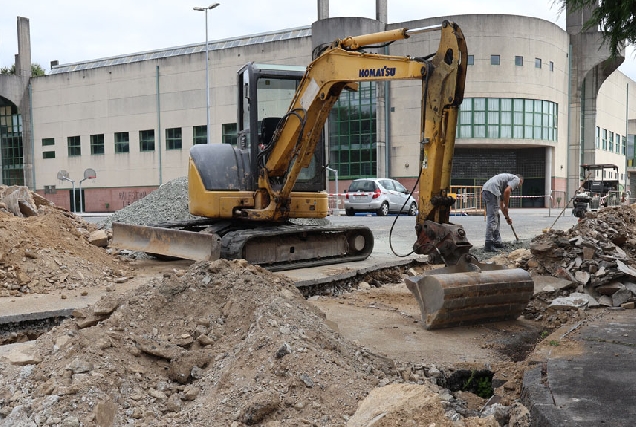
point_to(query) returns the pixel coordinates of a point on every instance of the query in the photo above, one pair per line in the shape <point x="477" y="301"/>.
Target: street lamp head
<point x="200" y="9"/>
<point x="212" y="6"/>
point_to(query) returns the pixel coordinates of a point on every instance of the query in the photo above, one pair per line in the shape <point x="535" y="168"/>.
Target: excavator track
<point x="288" y="247"/>
<point x="275" y="247"/>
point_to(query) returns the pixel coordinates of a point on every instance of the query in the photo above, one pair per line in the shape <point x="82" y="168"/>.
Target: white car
<point x="379" y="195"/>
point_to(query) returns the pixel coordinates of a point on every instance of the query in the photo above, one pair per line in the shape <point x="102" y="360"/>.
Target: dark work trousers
<point x="493" y="222"/>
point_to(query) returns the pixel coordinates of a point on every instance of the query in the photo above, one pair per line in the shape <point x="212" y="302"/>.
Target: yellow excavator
<point x="248" y="194"/>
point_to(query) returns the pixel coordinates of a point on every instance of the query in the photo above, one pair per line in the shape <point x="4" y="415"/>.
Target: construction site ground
<point x="293" y="365"/>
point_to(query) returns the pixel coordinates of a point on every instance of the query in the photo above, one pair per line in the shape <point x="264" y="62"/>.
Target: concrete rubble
<point x="595" y="256"/>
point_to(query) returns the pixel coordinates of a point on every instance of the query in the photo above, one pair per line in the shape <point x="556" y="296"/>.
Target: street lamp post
<point x="207" y="74"/>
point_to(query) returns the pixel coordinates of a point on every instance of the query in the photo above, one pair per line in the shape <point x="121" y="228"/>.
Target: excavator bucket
<point x="167" y="242"/>
<point x="467" y="294"/>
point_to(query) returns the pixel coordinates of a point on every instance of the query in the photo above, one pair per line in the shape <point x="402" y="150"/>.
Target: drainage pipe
<point x="158" y="123"/>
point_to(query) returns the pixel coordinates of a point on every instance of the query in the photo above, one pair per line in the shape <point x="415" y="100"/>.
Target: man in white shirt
<point x="496" y="194"/>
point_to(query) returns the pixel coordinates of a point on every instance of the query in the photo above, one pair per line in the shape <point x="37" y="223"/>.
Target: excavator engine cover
<point x="471" y="293"/>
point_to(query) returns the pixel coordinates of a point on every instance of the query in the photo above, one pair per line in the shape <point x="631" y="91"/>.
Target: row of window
<point x="515" y="118"/>
<point x="496" y="60"/>
<point x="610" y="141"/>
<point x="121" y="141"/>
<point x="352" y="133"/>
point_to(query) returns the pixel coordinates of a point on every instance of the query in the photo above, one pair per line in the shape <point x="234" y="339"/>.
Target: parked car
<point x="379" y="195"/>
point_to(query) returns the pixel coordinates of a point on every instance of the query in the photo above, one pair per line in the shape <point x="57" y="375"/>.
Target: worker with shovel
<point x="496" y="194"/>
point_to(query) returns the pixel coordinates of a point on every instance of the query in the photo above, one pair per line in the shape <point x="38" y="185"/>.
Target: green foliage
<point x="484" y="385"/>
<point x="544" y="334"/>
<point x="553" y="343"/>
<point x="484" y="388"/>
<point x="36" y="70"/>
<point x="617" y="18"/>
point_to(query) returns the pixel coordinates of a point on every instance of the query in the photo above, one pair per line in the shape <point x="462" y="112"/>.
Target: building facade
<point x="115" y="129"/>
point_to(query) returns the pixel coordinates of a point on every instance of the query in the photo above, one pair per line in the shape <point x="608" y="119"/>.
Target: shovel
<point x="514" y="232"/>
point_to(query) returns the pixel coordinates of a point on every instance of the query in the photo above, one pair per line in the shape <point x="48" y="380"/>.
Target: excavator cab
<point x="265" y="92"/>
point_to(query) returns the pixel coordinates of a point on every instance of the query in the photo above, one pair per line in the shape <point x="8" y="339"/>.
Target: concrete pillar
<point x="590" y="65"/>
<point x="323" y="9"/>
<point x="381" y="11"/>
<point x="23" y="60"/>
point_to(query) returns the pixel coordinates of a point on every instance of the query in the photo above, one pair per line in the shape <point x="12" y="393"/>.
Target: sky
<point x="78" y="30"/>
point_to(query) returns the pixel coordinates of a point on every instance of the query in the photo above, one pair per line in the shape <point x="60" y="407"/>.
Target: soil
<point x="225" y="343"/>
<point x="51" y="251"/>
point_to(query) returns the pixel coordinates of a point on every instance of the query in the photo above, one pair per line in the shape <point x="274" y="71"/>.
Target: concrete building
<point x="539" y="101"/>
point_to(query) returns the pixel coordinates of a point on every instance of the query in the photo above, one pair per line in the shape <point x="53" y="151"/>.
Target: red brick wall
<point x="97" y="200"/>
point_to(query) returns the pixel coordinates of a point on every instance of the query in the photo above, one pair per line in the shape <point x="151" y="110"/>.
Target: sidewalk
<point x="592" y="384"/>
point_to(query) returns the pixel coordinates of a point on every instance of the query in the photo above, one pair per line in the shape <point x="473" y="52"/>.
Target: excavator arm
<point x="342" y="66"/>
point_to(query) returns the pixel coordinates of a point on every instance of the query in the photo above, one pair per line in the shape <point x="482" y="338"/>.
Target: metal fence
<point x="468" y="201"/>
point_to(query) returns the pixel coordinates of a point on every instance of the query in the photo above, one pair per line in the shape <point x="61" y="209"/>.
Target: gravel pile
<point x="168" y="203"/>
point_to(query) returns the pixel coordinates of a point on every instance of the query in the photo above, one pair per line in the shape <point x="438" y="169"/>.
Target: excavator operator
<point x="496" y="194"/>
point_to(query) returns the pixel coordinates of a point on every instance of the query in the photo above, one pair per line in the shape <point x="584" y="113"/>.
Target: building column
<point x="323" y="9"/>
<point x="591" y="64"/>
<point x="23" y="70"/>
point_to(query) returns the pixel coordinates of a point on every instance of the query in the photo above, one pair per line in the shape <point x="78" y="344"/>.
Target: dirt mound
<point x="50" y="250"/>
<point x="223" y="343"/>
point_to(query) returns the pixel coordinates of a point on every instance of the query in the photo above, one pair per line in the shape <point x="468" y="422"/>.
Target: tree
<point x="616" y="18"/>
<point x="36" y="70"/>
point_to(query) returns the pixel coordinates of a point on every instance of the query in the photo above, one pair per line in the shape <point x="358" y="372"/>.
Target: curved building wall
<point x="513" y="79"/>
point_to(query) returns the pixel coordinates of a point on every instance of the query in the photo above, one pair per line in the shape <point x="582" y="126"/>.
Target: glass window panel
<point x="494" y="59"/>
<point x="529" y="104"/>
<point x="479" y="131"/>
<point x="230" y="133"/>
<point x="199" y="135"/>
<point x="74" y="147"/>
<point x="479" y="104"/>
<point x="493" y="117"/>
<point x="528" y="118"/>
<point x="97" y="144"/>
<point x="465" y="131"/>
<point x="147" y="140"/>
<point x="505" y="132"/>
<point x="493" y="104"/>
<point x="518" y="132"/>
<point x="480" y="117"/>
<point x="518" y="105"/>
<point x="506" y="118"/>
<point x="122" y="142"/>
<point x="465" y="117"/>
<point x="493" y="131"/>
<point x="173" y="139"/>
<point x="527" y="133"/>
<point x="506" y="104"/>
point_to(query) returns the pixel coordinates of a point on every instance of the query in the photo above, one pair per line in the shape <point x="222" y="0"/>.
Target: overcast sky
<point x="78" y="30"/>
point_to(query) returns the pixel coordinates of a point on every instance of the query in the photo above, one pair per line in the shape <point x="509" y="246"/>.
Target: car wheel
<point x="350" y="212"/>
<point x="384" y="209"/>
<point x="413" y="209"/>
